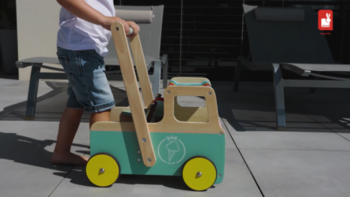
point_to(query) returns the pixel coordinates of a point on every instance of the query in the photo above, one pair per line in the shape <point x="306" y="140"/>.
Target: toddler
<point x="81" y="46"/>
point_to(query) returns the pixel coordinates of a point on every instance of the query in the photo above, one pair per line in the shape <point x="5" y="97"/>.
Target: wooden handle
<point x="133" y="94"/>
<point x="142" y="72"/>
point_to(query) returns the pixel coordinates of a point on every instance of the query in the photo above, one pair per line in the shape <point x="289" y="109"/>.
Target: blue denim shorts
<point x="88" y="85"/>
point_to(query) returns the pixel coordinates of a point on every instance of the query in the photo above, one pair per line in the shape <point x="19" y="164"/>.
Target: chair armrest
<point x="22" y="65"/>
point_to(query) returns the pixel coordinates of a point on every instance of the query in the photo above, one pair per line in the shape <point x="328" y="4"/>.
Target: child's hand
<point x="110" y="20"/>
<point x="135" y="27"/>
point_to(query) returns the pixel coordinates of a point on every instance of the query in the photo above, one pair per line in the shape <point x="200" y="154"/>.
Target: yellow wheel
<point x="102" y="170"/>
<point x="199" y="173"/>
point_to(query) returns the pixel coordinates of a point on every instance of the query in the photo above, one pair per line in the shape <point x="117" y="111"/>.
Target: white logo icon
<point x="172" y="147"/>
<point x="171" y="150"/>
<point x="326" y="22"/>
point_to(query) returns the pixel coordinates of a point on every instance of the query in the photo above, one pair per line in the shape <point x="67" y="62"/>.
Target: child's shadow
<point x="26" y="150"/>
<point x="29" y="151"/>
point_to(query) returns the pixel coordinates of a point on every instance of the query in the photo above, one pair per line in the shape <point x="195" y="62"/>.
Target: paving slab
<point x="292" y="141"/>
<point x="309" y="159"/>
<point x="7" y="106"/>
<point x="341" y="126"/>
<point x="14" y="95"/>
<point x="345" y="133"/>
<point x="305" y="173"/>
<point x="255" y="101"/>
<point x="36" y="128"/>
<point x="27" y="180"/>
<point x="237" y="182"/>
<point x="51" y="105"/>
<point x="291" y="126"/>
<point x="247" y="117"/>
<point x="4" y="82"/>
<point x="297" y="140"/>
<point x="25" y="151"/>
<point x="294" y="163"/>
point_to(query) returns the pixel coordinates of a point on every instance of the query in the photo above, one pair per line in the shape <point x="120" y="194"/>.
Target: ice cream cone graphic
<point x="172" y="147"/>
<point x="171" y="154"/>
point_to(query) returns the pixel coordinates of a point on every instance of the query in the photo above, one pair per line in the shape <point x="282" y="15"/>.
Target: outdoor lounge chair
<point x="288" y="38"/>
<point x="150" y="34"/>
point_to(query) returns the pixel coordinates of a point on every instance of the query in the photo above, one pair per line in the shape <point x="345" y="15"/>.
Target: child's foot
<point x="68" y="159"/>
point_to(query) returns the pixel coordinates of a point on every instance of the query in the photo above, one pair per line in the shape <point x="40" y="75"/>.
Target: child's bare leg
<point x="101" y="116"/>
<point x="68" y="127"/>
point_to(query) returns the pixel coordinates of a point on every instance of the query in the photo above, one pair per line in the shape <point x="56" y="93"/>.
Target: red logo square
<point x="325" y="20"/>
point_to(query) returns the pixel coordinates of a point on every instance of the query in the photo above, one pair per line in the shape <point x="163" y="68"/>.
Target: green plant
<point x="8" y="11"/>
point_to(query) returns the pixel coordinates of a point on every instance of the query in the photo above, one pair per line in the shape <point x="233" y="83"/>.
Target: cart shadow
<point x="78" y="176"/>
<point x="174" y="182"/>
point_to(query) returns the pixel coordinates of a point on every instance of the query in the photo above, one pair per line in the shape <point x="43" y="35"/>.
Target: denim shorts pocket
<point x="66" y="64"/>
<point x="93" y="53"/>
<point x="62" y="58"/>
<point x="71" y="79"/>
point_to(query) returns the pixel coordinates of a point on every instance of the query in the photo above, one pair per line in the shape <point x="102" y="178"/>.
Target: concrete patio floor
<point x="311" y="158"/>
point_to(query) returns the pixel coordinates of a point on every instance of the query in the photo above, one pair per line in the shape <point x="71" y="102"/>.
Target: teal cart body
<point x="172" y="151"/>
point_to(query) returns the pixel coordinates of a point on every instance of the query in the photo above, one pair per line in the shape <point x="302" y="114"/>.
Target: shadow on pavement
<point x="78" y="176"/>
<point x="25" y="150"/>
<point x="29" y="151"/>
<point x="56" y="89"/>
<point x="250" y="109"/>
<point x="254" y="105"/>
<point x="17" y="111"/>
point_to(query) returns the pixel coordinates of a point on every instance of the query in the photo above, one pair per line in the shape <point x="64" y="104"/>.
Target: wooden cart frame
<point x="194" y="132"/>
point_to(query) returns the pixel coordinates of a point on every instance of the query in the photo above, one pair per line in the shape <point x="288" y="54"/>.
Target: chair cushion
<point x="279" y="14"/>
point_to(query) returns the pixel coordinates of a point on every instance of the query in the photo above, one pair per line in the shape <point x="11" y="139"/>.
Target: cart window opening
<point x="190" y="109"/>
<point x="191" y="101"/>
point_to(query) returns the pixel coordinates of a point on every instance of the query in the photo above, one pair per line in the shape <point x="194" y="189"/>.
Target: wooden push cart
<point x="163" y="138"/>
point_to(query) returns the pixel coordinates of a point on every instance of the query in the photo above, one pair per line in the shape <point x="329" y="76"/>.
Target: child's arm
<point x="84" y="11"/>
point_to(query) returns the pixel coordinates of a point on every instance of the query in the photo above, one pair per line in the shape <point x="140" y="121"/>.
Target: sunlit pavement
<point x="311" y="158"/>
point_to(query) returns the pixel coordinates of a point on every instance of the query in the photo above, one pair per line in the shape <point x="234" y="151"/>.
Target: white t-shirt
<point x="78" y="34"/>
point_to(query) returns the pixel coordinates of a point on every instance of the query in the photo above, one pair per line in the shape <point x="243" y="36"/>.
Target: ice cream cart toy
<point x="157" y="136"/>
